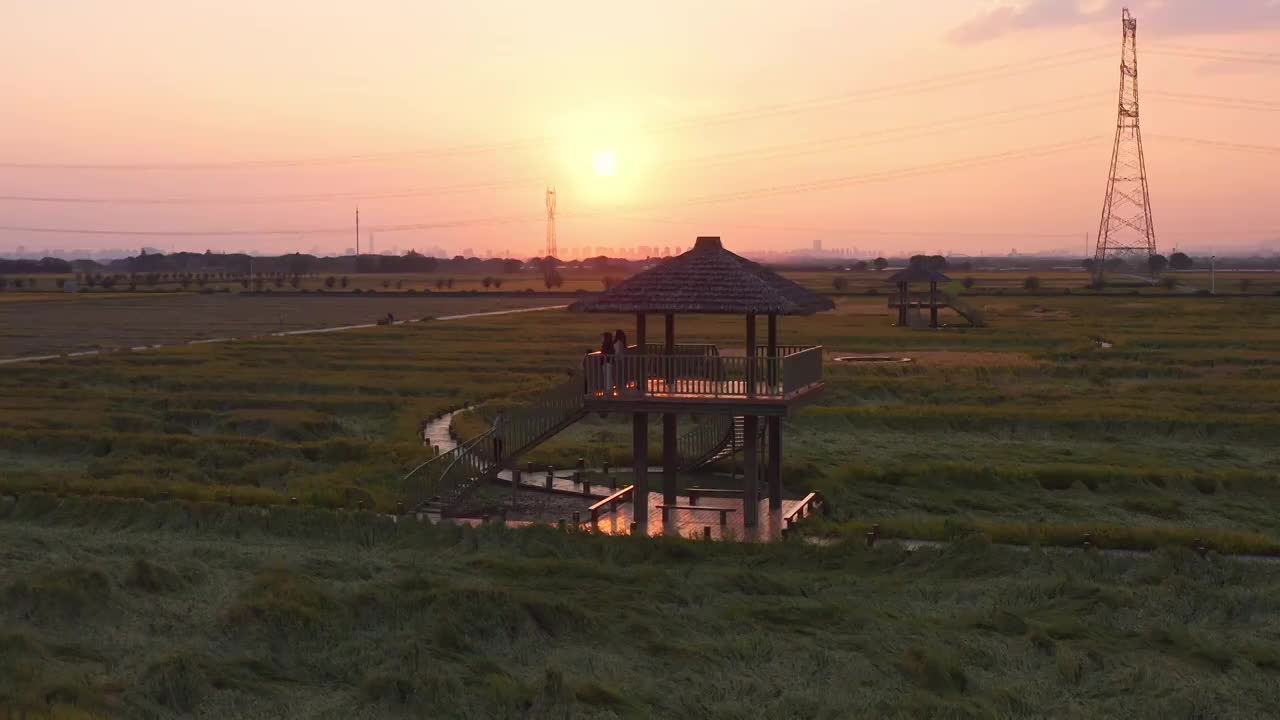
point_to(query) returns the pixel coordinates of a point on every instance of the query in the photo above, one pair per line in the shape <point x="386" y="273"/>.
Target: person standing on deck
<point x="606" y="360"/>
<point x="498" y="433"/>
<point x="619" y="352"/>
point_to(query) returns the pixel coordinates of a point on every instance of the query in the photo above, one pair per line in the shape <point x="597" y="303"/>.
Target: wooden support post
<point x="642" y="371"/>
<point x="774" y="471"/>
<point x="669" y="350"/>
<point x="751" y="356"/>
<point x="903" y="300"/>
<point x="640" y="466"/>
<point x="669" y="458"/>
<point x="750" y="473"/>
<point x="933" y="304"/>
<point x="772" y="353"/>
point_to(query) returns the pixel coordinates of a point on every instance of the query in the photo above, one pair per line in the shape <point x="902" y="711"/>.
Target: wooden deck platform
<point x="683" y="396"/>
<point x="693" y="523"/>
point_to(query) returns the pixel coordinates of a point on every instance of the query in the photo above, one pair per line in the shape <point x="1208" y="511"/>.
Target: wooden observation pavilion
<point x="761" y="384"/>
<point x="905" y="300"/>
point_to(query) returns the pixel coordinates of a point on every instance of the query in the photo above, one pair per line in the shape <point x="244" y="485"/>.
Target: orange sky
<point x="719" y="113"/>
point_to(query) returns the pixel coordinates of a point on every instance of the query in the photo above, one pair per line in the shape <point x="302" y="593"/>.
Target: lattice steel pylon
<point x="1126" y="231"/>
<point x="552" y="250"/>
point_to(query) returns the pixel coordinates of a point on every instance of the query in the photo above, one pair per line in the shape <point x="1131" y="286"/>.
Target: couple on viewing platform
<point x="613" y="348"/>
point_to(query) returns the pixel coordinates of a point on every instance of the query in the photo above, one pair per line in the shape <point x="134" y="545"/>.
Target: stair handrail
<point x="524" y="427"/>
<point x="702" y="443"/>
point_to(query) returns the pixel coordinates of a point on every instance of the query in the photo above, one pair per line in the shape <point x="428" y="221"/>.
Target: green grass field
<point x="1026" y="431"/>
<point x="123" y="609"/>
<point x="1026" y="421"/>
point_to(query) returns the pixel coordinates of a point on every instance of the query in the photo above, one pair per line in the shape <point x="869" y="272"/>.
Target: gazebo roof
<point x="707" y="280"/>
<point x="917" y="273"/>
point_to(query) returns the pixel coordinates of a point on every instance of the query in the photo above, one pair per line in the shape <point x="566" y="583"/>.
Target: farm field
<point x="122" y="609"/>
<point x="1029" y="428"/>
<point x="39" y="324"/>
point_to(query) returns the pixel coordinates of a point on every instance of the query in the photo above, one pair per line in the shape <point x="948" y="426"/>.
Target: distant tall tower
<point x="552" y="250"/>
<point x="1126" y="231"/>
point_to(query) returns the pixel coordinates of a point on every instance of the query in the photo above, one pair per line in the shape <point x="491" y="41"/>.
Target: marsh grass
<point x="1026" y="421"/>
<point x="368" y="618"/>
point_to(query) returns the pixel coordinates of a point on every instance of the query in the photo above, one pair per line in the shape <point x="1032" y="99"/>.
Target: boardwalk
<point x="685" y="523"/>
<point x="694" y="523"/>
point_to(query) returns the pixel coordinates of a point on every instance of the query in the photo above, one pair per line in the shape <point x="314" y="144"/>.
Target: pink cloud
<point x="1172" y="17"/>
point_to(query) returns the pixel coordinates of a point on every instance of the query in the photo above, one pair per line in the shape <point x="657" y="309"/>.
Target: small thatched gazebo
<point x="917" y="274"/>
<point x="669" y="379"/>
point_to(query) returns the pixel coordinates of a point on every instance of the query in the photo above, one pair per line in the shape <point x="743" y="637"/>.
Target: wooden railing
<point x="690" y="349"/>
<point x="782" y="350"/>
<point x="801" y="370"/>
<point x="704" y="442"/>
<point x="450" y="476"/>
<point x="634" y="375"/>
<point x="808" y="504"/>
<point x="895" y="299"/>
<point x="611" y="502"/>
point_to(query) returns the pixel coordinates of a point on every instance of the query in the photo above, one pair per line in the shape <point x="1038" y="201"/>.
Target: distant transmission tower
<point x="552" y="250"/>
<point x="1126" y="231"/>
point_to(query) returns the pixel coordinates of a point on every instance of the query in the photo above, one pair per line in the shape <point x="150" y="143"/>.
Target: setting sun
<point x="605" y="163"/>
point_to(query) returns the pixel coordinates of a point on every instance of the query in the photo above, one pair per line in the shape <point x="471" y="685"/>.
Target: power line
<point x="858" y="231"/>
<point x="470" y="222"/>
<point x="927" y="169"/>
<point x="939" y="82"/>
<point x="265" y="199"/>
<point x="922" y="85"/>
<point x="760" y="153"/>
<point x="1217" y="101"/>
<point x="878" y="137"/>
<point x="823" y="184"/>
<point x="1216" y="51"/>
<point x="1245" y="147"/>
<point x="1215" y="56"/>
<point x="278" y="163"/>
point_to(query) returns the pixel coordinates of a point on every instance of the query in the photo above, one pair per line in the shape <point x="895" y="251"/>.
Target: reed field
<point x="118" y="608"/>
<point x="1063" y="411"/>
<point x="154" y="566"/>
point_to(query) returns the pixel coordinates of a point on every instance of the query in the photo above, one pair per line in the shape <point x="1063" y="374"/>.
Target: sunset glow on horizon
<point x="964" y="127"/>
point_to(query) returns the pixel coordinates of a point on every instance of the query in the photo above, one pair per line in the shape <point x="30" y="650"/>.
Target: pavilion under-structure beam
<point x="750" y="429"/>
<point x="640" y="443"/>
<point x="669" y="427"/>
<point x="750" y="471"/>
<point x="933" y="304"/>
<point x="773" y="425"/>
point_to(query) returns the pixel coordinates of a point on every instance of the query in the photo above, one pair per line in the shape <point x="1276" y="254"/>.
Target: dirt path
<point x="286" y="333"/>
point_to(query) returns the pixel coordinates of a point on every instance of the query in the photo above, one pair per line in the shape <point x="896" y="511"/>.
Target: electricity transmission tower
<point x="552" y="250"/>
<point x="1126" y="230"/>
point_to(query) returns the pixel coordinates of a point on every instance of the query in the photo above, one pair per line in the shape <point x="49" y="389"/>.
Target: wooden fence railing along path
<point x="440" y="483"/>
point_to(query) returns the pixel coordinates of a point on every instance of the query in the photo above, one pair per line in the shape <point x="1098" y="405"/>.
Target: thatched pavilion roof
<point x="917" y="273"/>
<point x="707" y="280"/>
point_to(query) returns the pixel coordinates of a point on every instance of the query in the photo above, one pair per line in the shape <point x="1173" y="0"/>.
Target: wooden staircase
<point x="727" y="435"/>
<point x="439" y="485"/>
